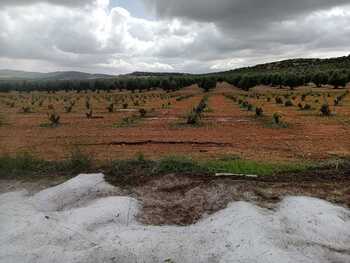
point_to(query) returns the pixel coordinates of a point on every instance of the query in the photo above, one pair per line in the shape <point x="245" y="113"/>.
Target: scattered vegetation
<point x="129" y="171"/>
<point x="25" y="164"/>
<point x="127" y="121"/>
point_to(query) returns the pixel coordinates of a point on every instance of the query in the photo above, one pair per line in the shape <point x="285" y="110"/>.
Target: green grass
<point x="179" y="164"/>
<point x="254" y="168"/>
<point x="24" y="164"/>
<point x="184" y="165"/>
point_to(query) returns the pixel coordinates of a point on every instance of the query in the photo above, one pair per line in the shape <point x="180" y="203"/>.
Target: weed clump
<point x="78" y="162"/>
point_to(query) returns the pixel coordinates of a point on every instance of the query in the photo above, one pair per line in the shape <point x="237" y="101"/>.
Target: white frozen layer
<point x="79" y="221"/>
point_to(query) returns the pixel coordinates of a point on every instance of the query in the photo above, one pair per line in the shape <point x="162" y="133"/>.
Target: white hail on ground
<point x="81" y="221"/>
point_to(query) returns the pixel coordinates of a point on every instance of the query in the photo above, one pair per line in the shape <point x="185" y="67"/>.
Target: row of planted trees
<point x="291" y="80"/>
<point x="120" y="83"/>
<point x="245" y="81"/>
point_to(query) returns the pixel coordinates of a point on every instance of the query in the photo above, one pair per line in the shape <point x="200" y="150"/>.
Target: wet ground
<point x="181" y="199"/>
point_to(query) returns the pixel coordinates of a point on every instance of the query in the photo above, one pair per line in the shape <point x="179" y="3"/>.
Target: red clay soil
<point x="225" y="129"/>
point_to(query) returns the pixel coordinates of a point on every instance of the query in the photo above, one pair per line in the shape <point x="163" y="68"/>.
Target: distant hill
<point x="291" y="65"/>
<point x="156" y="74"/>
<point x="294" y="65"/>
<point x="302" y="65"/>
<point x="59" y="75"/>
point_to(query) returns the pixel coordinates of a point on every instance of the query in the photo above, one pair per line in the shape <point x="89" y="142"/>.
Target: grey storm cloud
<point x="259" y="27"/>
<point x="184" y="35"/>
<point x="242" y="12"/>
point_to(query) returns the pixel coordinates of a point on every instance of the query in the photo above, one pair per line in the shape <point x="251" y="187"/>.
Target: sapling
<point x="54" y="118"/>
<point x="325" y="110"/>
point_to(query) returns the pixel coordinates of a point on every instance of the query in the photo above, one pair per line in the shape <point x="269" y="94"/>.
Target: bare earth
<point x="226" y="129"/>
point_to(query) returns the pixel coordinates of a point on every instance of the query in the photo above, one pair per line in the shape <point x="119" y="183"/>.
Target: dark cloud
<point x="238" y="13"/>
<point x="186" y="35"/>
<point x="260" y="30"/>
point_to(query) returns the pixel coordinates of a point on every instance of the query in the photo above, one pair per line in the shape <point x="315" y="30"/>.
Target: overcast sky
<point x="121" y="36"/>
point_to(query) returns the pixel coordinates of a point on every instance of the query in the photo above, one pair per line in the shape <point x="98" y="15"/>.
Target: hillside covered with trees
<point x="288" y="73"/>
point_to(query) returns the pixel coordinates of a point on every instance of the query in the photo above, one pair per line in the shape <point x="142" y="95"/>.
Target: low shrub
<point x="142" y="112"/>
<point x="54" y="118"/>
<point x="89" y="113"/>
<point x="250" y="107"/>
<point x="78" y="161"/>
<point x="193" y="118"/>
<point x="110" y="107"/>
<point x="276" y="117"/>
<point x="325" y="110"/>
<point x="259" y="111"/>
<point x="278" y="100"/>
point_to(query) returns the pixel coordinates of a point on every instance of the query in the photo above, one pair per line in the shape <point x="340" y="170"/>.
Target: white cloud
<point x="92" y="36"/>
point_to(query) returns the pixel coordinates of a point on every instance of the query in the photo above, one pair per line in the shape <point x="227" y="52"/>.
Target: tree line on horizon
<point x="244" y="81"/>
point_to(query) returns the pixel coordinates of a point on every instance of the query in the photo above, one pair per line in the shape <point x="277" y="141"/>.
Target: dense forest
<point x="288" y="73"/>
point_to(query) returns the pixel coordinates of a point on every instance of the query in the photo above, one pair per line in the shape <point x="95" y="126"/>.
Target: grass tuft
<point x="21" y="164"/>
<point x="78" y="162"/>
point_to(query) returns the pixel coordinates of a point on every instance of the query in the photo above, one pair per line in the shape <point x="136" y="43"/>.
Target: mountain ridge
<point x="282" y="66"/>
<point x="8" y="74"/>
